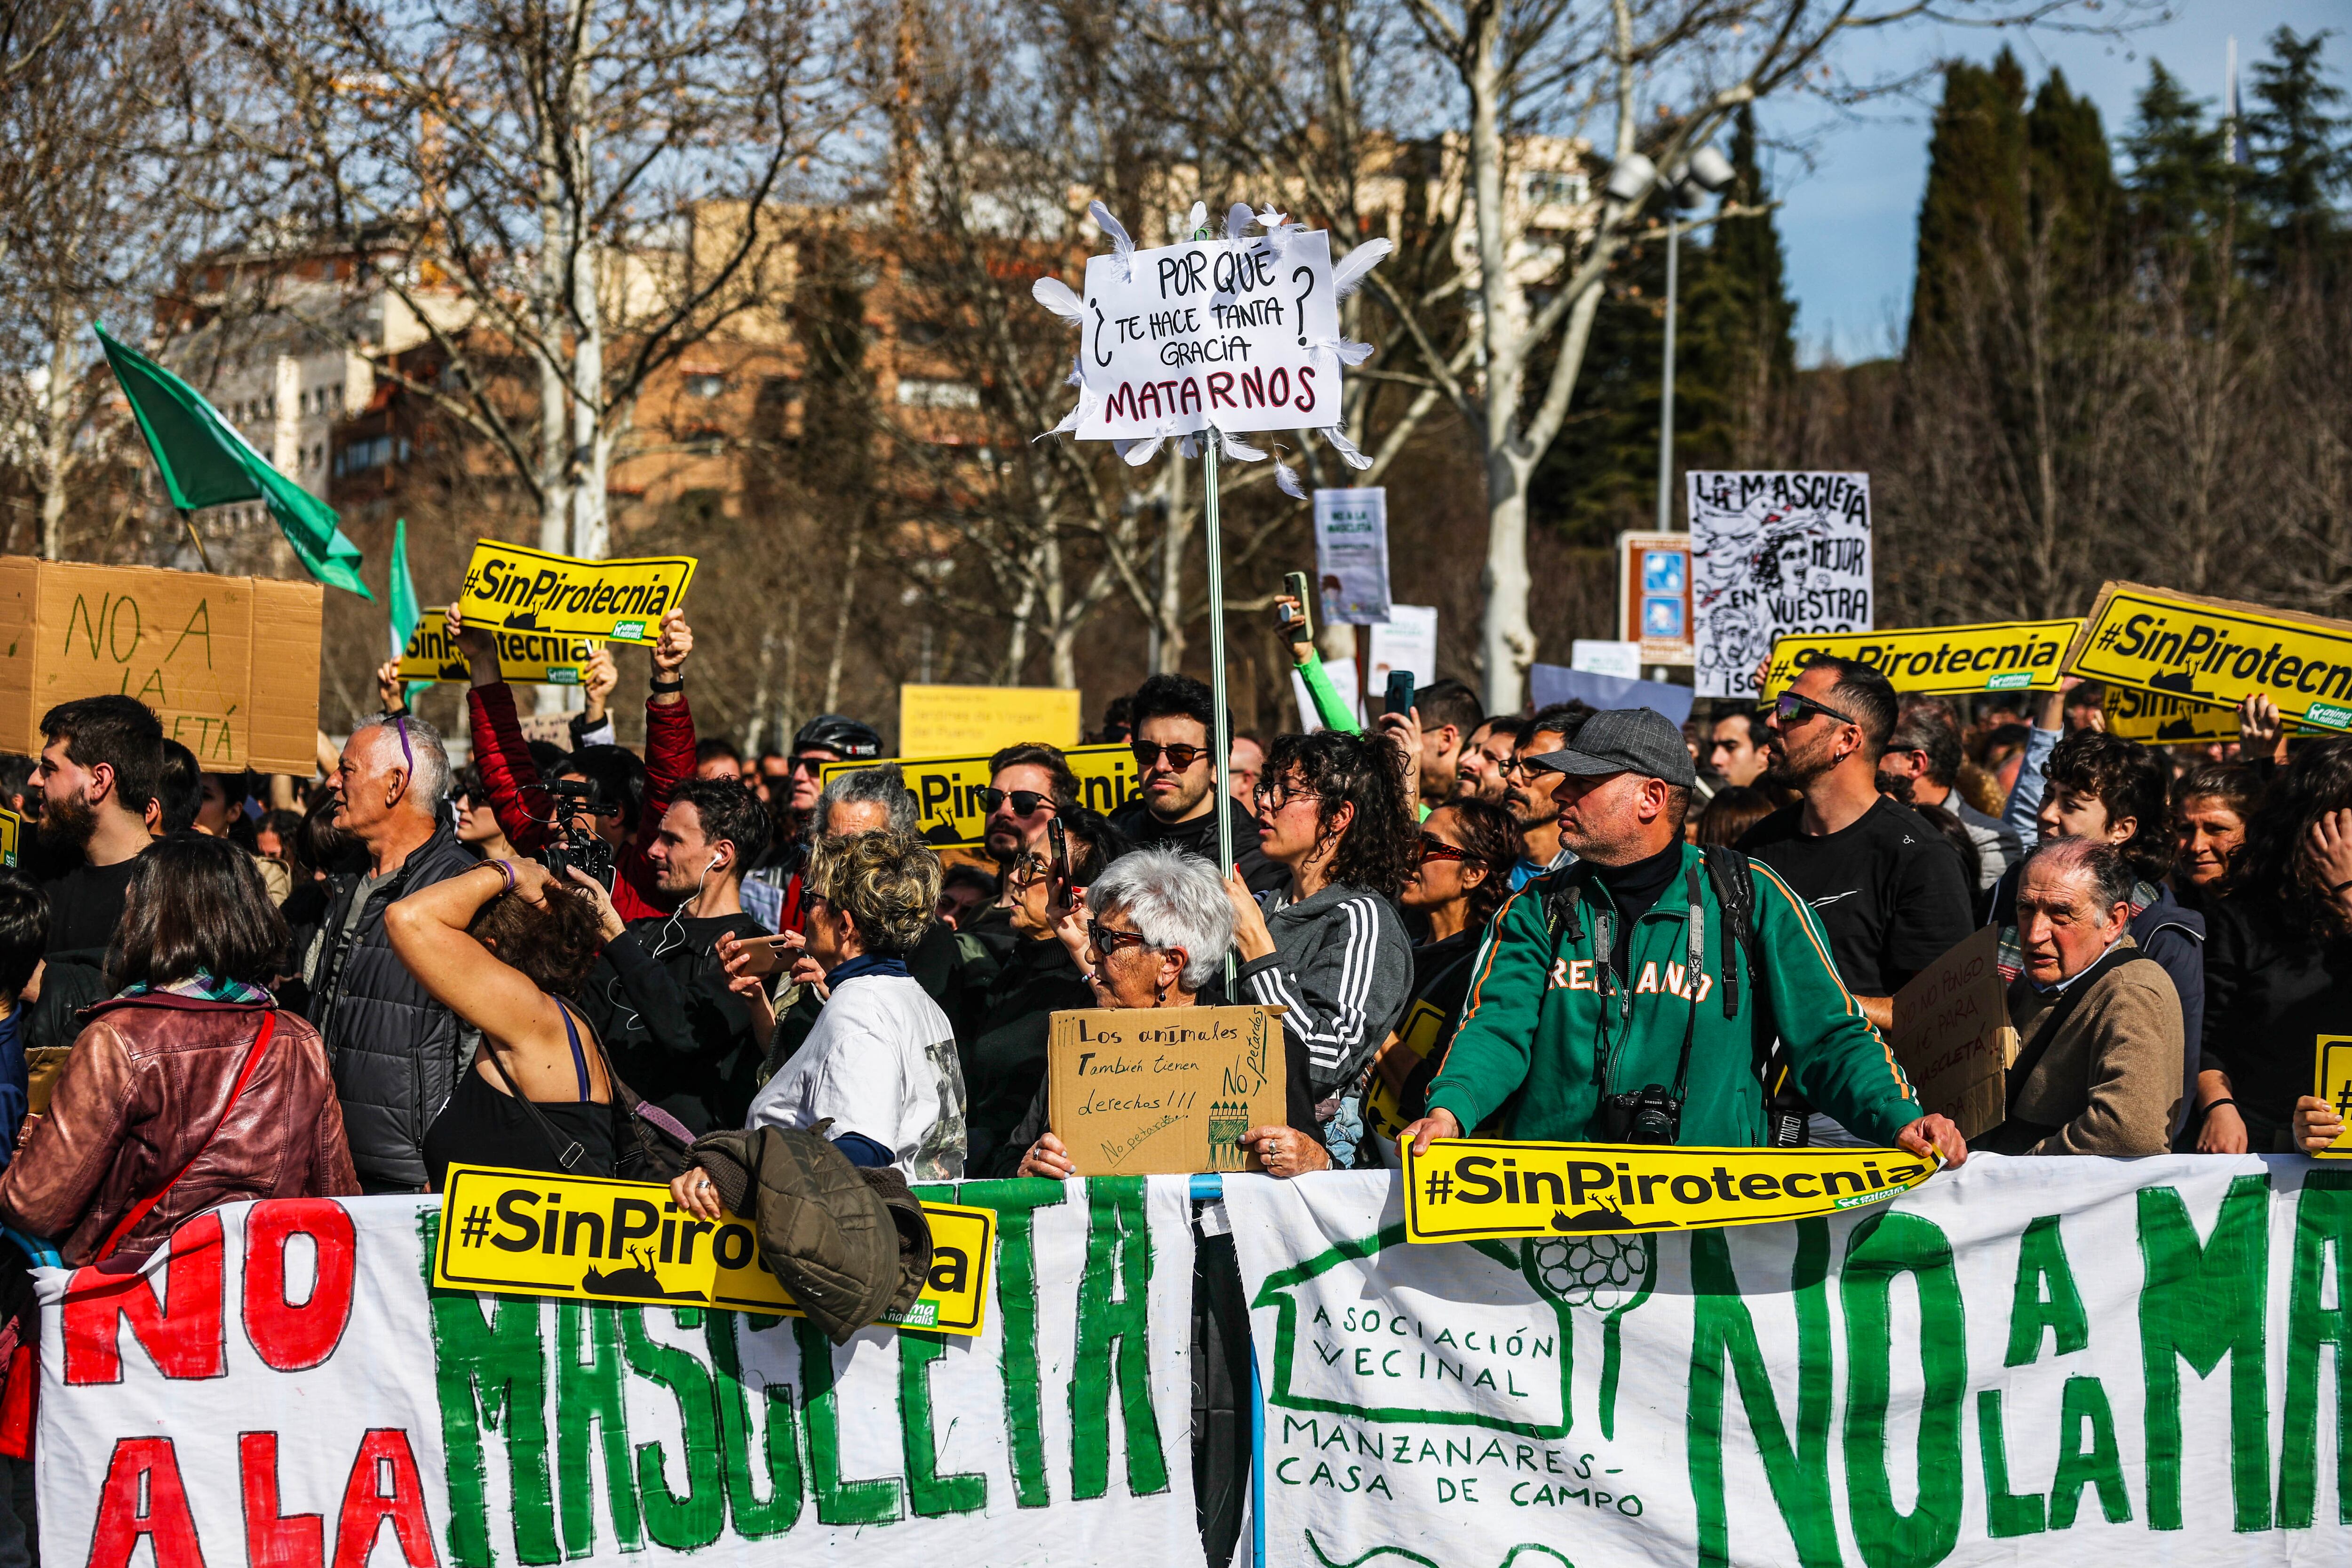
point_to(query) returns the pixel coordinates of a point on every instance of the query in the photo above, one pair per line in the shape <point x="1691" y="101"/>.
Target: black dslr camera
<point x="575" y="846"/>
<point x="1652" y="1115"/>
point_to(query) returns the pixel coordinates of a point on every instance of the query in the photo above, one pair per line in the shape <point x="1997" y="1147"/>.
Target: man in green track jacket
<point x="1601" y="1012"/>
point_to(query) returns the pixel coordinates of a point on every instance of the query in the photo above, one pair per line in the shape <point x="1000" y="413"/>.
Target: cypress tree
<point x="2181" y="177"/>
<point x="2073" y="195"/>
<point x="2300" y="156"/>
<point x="1974" y="205"/>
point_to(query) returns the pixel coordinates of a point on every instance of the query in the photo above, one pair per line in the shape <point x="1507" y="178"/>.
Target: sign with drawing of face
<point x="1774" y="555"/>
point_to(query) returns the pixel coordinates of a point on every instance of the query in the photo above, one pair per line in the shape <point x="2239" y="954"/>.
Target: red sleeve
<point x="669" y="759"/>
<point x="517" y="799"/>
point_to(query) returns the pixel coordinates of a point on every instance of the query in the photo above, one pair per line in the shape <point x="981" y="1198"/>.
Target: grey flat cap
<point x="1625" y="740"/>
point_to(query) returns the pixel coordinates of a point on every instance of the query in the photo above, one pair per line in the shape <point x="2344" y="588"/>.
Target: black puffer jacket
<point x="396" y="1052"/>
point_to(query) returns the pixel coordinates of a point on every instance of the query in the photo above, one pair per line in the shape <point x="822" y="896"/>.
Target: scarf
<point x="204" y="986"/>
<point x="865" y="963"/>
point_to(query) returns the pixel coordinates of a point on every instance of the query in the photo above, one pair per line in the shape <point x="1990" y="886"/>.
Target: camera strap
<point x="1693" y="977"/>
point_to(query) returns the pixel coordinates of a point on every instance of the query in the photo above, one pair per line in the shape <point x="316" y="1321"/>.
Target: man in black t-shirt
<point x="1889" y="890"/>
<point x="102" y="760"/>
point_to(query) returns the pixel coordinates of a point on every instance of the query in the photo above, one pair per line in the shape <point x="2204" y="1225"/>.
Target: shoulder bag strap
<point x="144" y="1206"/>
<point x="567" y="1151"/>
<point x="2055" y="1019"/>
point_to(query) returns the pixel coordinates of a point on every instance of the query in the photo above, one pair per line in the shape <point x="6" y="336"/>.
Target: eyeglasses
<point x="1180" y="758"/>
<point x="1026" y="801"/>
<point x="1279" y="793"/>
<point x="1432" y="847"/>
<point x="1108" y="939"/>
<point x="1792" y="706"/>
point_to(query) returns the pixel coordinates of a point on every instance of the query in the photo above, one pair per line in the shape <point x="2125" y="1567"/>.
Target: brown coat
<point x="142" y="1095"/>
<point x="2110" y="1080"/>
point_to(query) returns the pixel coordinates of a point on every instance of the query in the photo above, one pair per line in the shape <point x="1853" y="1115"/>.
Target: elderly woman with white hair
<point x="1152" y="932"/>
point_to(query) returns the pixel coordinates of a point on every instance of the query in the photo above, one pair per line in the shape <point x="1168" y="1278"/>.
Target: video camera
<point x="575" y="846"/>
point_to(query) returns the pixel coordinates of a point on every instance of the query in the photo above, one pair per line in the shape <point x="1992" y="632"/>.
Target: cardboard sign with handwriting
<point x="230" y="665"/>
<point x="1953" y="1036"/>
<point x="1163" y="1092"/>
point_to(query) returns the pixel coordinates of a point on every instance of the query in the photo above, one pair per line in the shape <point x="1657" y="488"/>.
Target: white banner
<point x="1773" y="554"/>
<point x="280" y="1390"/>
<point x="1351" y="556"/>
<point x="2024" y="1360"/>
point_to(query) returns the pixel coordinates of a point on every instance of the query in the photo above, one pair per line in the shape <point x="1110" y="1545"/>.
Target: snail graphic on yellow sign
<point x="527" y="1233"/>
<point x="1468" y="1189"/>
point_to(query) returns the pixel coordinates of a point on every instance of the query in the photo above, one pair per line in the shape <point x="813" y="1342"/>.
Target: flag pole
<point x="1220" y="727"/>
<point x="188" y="520"/>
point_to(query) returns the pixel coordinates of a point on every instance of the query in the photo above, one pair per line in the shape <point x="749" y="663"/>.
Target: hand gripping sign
<point x="1213" y="336"/>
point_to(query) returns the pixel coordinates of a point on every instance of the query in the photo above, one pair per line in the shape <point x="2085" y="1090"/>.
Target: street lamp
<point x="1687" y="184"/>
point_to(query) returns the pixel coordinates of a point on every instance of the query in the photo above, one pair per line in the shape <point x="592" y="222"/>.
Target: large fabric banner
<point x="280" y="1389"/>
<point x="2086" y="1361"/>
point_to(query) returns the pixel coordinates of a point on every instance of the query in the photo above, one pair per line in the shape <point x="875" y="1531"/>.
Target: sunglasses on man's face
<point x="1108" y="939"/>
<point x="1026" y="801"/>
<point x="1180" y="757"/>
<point x="1794" y="706"/>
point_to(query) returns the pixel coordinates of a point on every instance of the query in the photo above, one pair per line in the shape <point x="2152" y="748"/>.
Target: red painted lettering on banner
<point x="286" y="1335"/>
<point x="182" y="1333"/>
<point x="367" y="1504"/>
<point x="146" y="1470"/>
<point x="273" y="1540"/>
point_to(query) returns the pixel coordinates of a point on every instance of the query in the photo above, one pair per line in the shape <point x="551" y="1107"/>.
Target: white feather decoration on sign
<point x="1357" y="265"/>
<point x="1196" y="221"/>
<point x="1120" y="243"/>
<point x="1348" y="450"/>
<point x="1239" y="449"/>
<point x="1057" y="297"/>
<point x="1238" y="218"/>
<point x="1285" y="480"/>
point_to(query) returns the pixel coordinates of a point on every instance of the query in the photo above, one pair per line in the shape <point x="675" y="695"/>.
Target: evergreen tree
<point x="1974" y="205"/>
<point x="2300" y="154"/>
<point x="2181" y="179"/>
<point x="2073" y="195"/>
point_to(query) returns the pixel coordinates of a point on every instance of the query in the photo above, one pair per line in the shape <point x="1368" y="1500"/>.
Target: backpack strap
<point x="1734" y="881"/>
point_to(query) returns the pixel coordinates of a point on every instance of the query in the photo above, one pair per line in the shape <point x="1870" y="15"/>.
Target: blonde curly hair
<point x="888" y="883"/>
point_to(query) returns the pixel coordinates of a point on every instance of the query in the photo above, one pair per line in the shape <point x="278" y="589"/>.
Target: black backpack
<point x="1734" y="881"/>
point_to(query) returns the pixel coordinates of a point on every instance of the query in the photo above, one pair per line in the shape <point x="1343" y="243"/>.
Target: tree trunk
<point x="57" y="434"/>
<point x="841" y="622"/>
<point x="1506" y="642"/>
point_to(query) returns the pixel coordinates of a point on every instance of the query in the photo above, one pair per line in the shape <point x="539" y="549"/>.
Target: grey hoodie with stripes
<point x="1342" y="965"/>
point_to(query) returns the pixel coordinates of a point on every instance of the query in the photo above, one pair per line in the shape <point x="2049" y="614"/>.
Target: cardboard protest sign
<point x="1163" y="1090"/>
<point x="2005" y="656"/>
<point x="1654" y="596"/>
<point x="942" y="721"/>
<point x="2333" y="1083"/>
<point x="1351" y="556"/>
<point x="1239" y="333"/>
<point x="1473" y="1189"/>
<point x="1953" y="1036"/>
<point x="2218" y="652"/>
<point x="1774" y="555"/>
<point x="12" y="830"/>
<point x="947" y="789"/>
<point x="509" y="587"/>
<point x="2157" y="720"/>
<point x="527" y="1233"/>
<point x="230" y="665"/>
<point x="525" y="658"/>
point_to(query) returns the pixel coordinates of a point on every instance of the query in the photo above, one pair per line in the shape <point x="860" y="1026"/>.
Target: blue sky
<point x="1847" y="222"/>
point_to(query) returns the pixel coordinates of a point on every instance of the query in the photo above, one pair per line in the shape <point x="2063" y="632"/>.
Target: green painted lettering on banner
<point x="930" y="1492"/>
<point x="2046" y="1297"/>
<point x="491" y="1374"/>
<point x="2200" y="1301"/>
<point x="780" y="1443"/>
<point x="1016" y="1204"/>
<point x="681" y="1523"/>
<point x="2323" y="1228"/>
<point x="2087" y="1455"/>
<point x="1882" y="1248"/>
<point x="2007" y="1513"/>
<point x="1114" y="1344"/>
<point x="838" y="1501"/>
<point x="589" y="1399"/>
<point x="1798" y="1470"/>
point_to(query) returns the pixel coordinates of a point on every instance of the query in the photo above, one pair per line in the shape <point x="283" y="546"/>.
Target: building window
<point x="915" y="393"/>
<point x="704" y="384"/>
<point x="373" y="452"/>
<point x="1551" y="188"/>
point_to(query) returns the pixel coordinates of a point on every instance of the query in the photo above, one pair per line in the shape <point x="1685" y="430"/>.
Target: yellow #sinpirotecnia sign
<point x="947" y="789"/>
<point x="2155" y="719"/>
<point x="527" y="1233"/>
<point x="12" y="830"/>
<point x="2333" y="1083"/>
<point x="1472" y="1189"/>
<point x="525" y="658"/>
<point x="1998" y="656"/>
<point x="2218" y="652"/>
<point x="510" y="588"/>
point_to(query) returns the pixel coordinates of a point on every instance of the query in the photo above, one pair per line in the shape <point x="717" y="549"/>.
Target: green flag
<point x="403" y="595"/>
<point x="206" y="461"/>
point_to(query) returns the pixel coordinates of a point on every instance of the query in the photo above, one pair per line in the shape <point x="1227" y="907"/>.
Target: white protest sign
<point x="1621" y="659"/>
<point x="1774" y="555"/>
<point x="2025" y="1361"/>
<point x="1341" y="673"/>
<point x="1407" y="640"/>
<point x="1351" y="556"/>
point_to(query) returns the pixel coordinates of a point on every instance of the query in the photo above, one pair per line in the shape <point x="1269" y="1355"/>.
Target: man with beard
<point x="1177" y="773"/>
<point x="1530" y="793"/>
<point x="1028" y="786"/>
<point x="1888" y="889"/>
<point x="771" y="889"/>
<point x="101" y="763"/>
<point x="1488" y="759"/>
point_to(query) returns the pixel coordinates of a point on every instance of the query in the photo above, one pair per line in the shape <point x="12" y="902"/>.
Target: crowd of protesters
<point x="1464" y="918"/>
